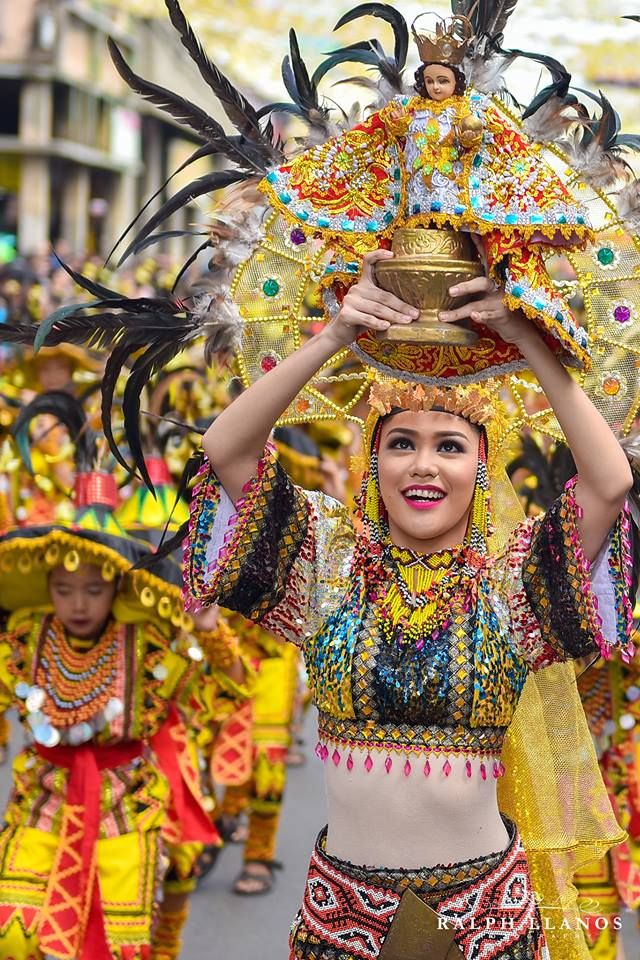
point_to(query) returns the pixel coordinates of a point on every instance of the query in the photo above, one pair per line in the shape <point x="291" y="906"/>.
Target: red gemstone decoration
<point x="467" y="767"/>
<point x="335" y="756"/>
<point x="427" y="768"/>
<point x="496" y="771"/>
<point x="349" y="763"/>
<point x="368" y="764"/>
<point x="407" y="768"/>
<point x="483" y="771"/>
<point x="447" y="768"/>
<point x="268" y="362"/>
<point x="388" y="764"/>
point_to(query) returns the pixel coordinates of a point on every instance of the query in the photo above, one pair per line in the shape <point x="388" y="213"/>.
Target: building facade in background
<point x="78" y="151"/>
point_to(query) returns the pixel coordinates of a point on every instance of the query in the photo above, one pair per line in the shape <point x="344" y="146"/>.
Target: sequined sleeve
<point x="280" y="556"/>
<point x="562" y="606"/>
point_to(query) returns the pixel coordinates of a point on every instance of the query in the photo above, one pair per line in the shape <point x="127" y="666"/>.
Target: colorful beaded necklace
<point x="76" y="685"/>
<point x="416" y="592"/>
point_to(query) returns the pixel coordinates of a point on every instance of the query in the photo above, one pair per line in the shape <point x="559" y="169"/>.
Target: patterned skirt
<point x="489" y="902"/>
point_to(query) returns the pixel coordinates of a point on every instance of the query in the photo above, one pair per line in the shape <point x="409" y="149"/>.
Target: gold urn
<point x="426" y="264"/>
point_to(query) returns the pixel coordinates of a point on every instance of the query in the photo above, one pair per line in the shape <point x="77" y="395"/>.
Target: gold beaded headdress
<point x="448" y="44"/>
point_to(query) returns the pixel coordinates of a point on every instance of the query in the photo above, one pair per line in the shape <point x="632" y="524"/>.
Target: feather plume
<point x="389" y="68"/>
<point x="551" y="121"/>
<point x="206" y="150"/>
<point x="393" y="17"/>
<point x="304" y="93"/>
<point x="498" y="14"/>
<point x="597" y="148"/>
<point x="628" y="206"/>
<point x="240" y="112"/>
<point x="209" y="183"/>
<point x="486" y="72"/>
<point x="551" y="470"/>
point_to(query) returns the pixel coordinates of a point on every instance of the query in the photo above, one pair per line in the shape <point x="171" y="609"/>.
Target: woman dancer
<point x="418" y="637"/>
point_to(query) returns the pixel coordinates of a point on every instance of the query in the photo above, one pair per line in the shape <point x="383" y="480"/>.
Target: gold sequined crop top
<point x="291" y="560"/>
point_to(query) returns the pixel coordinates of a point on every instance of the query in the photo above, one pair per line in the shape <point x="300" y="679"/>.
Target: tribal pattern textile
<point x="459" y="691"/>
<point x="167" y="935"/>
<point x="270" y="711"/>
<point x="130" y="874"/>
<point x="489" y="902"/>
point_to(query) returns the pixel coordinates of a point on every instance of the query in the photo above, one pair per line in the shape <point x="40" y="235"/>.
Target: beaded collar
<point x="73" y="694"/>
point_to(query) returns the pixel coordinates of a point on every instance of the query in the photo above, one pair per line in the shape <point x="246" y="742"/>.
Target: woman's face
<point x="81" y="600"/>
<point x="439" y="81"/>
<point x="427" y="465"/>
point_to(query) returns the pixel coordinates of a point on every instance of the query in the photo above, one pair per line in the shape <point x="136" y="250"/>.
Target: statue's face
<point x="440" y="82"/>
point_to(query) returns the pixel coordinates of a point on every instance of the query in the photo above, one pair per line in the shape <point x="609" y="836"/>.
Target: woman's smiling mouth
<point x="423" y="496"/>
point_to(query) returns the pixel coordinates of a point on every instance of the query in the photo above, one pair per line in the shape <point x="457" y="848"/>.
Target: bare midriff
<point x="394" y="820"/>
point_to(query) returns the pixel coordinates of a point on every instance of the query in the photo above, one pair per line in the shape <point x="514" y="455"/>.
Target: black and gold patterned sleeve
<point x="563" y="607"/>
<point x="280" y="556"/>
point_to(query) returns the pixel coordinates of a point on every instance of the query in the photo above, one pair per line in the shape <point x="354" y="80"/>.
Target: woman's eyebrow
<point x="450" y="433"/>
<point x="437" y="433"/>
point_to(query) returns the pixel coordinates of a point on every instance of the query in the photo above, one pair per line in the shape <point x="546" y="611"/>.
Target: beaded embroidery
<point x="489" y="902"/>
<point x="75" y="685"/>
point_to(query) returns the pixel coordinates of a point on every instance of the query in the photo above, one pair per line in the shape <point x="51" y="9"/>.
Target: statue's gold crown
<point x="448" y="44"/>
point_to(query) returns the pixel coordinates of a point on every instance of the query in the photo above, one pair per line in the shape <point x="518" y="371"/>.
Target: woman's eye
<point x="401" y="443"/>
<point x="450" y="446"/>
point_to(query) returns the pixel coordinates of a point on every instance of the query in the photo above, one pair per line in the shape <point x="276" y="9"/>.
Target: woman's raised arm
<point x="604" y="474"/>
<point x="235" y="441"/>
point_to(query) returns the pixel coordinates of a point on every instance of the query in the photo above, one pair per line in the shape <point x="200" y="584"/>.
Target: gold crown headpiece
<point x="477" y="403"/>
<point x="448" y="44"/>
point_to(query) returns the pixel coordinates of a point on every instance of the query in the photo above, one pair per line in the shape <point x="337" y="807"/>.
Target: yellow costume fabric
<point x="135" y="798"/>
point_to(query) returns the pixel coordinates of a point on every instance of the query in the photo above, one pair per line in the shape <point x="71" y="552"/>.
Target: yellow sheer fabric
<point x="553" y="788"/>
<point x="554" y="791"/>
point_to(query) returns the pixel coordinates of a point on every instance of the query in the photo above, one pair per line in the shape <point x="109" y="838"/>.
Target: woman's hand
<point x="487" y="307"/>
<point x="367" y="306"/>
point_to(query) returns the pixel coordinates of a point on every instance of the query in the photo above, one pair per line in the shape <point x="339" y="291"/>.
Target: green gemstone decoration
<point x="271" y="287"/>
<point x="606" y="256"/>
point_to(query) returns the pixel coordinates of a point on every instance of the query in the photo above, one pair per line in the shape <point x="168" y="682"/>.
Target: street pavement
<point x="223" y="926"/>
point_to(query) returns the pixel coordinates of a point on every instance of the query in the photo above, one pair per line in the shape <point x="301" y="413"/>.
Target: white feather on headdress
<point x="628" y="206"/>
<point x="551" y="122"/>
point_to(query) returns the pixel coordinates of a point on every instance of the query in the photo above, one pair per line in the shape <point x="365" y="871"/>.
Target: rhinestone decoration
<point x="623" y="312"/>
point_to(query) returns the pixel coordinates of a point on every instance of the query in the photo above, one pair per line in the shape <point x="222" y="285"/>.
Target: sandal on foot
<point x="207" y="861"/>
<point x="251" y="883"/>
<point x="232" y="829"/>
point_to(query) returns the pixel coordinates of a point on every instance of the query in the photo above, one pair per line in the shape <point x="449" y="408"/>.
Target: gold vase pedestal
<point x="425" y="265"/>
